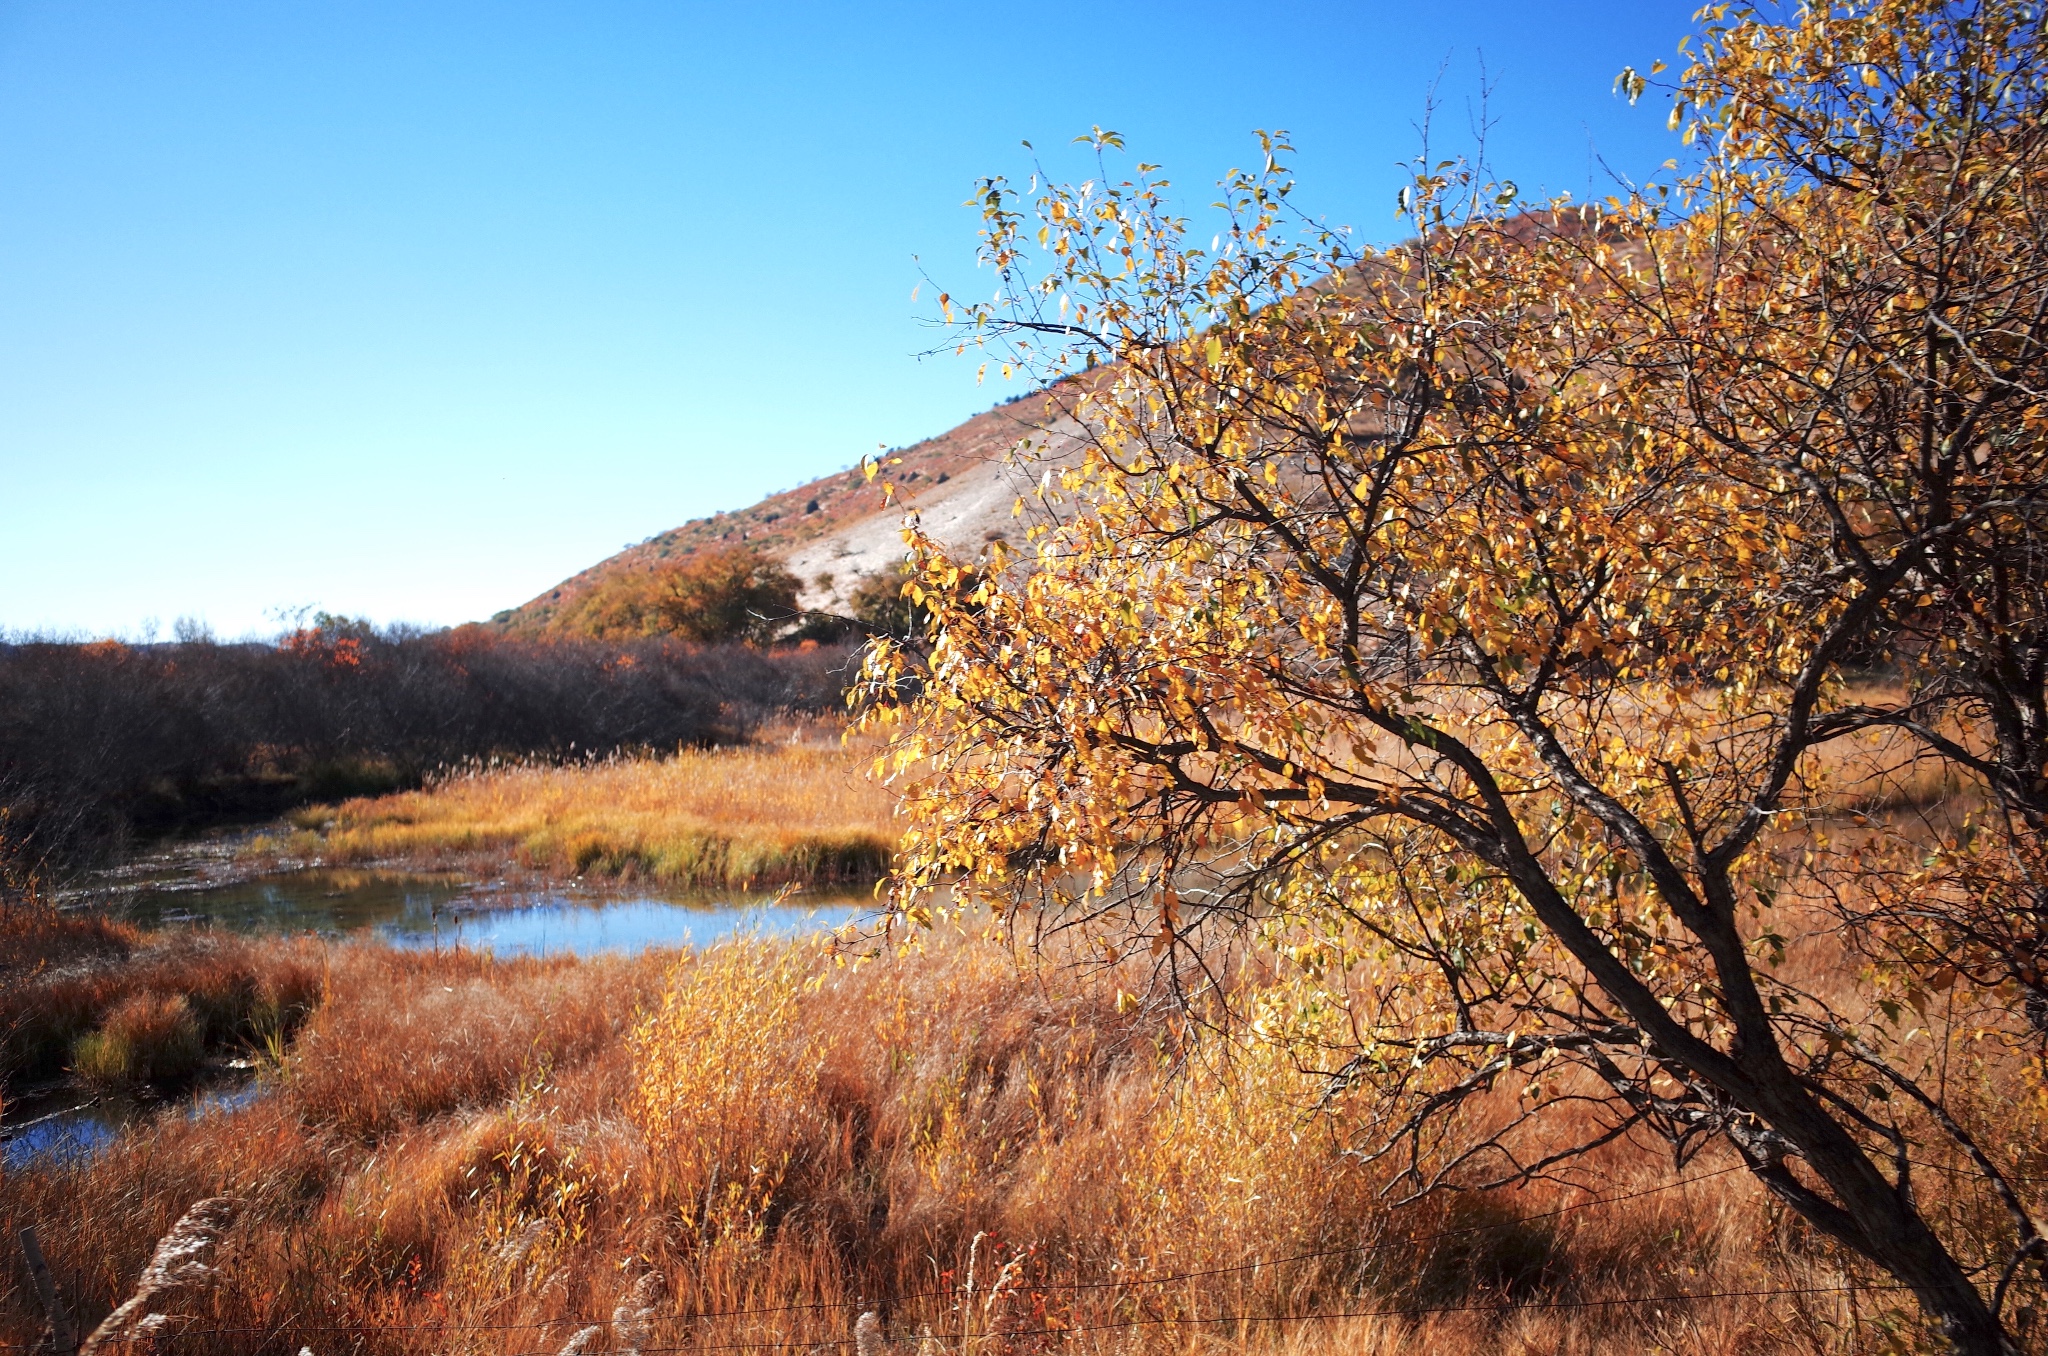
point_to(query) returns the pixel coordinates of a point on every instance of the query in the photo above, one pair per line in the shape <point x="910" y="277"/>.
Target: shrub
<point x="726" y="1086"/>
<point x="881" y="607"/>
<point x="719" y="595"/>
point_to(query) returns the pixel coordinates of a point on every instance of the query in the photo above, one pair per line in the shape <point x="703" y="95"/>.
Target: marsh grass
<point x="467" y="1155"/>
<point x="759" y="815"/>
<point x="751" y="1146"/>
<point x="146" y="1038"/>
<point x="121" y="1007"/>
<point x="106" y="744"/>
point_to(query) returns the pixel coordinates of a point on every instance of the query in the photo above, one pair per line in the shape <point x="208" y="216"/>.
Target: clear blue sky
<point x="410" y="309"/>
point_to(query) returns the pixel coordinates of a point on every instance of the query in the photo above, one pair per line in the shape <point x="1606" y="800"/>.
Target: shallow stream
<point x="435" y="911"/>
<point x="57" y="1126"/>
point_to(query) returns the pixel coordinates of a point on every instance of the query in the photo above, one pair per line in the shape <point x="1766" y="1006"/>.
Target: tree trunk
<point x="1882" y="1222"/>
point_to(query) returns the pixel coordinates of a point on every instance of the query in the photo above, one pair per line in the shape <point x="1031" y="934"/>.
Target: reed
<point x="121" y="1007"/>
<point x="146" y="1038"/>
<point x="183" y="1260"/>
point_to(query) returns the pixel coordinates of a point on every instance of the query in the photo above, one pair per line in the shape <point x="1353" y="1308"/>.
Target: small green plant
<point x="147" y="1038"/>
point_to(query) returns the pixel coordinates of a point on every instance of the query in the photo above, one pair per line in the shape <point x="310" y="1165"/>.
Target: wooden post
<point x="63" y="1337"/>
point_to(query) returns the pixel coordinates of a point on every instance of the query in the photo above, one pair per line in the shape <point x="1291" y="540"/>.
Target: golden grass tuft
<point x="726" y="1076"/>
<point x="761" y="815"/>
<point x="453" y="1030"/>
<point x="121" y="1007"/>
<point x="457" y="1153"/>
<point x="146" y="1038"/>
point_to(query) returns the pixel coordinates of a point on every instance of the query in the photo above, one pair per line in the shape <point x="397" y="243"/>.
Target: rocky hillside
<point x="835" y="531"/>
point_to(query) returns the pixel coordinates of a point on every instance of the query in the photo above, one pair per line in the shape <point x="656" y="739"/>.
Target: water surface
<point x="435" y="911"/>
<point x="76" y="1133"/>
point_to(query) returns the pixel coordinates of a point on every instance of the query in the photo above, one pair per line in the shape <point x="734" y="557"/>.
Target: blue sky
<point x="410" y="310"/>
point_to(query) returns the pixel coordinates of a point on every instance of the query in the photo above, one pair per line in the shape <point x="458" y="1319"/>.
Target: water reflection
<point x="63" y="1136"/>
<point x="585" y="926"/>
<point x="434" y="911"/>
<point x="73" y="1134"/>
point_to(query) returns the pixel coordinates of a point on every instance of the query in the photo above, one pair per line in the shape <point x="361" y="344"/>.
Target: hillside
<point x="836" y="530"/>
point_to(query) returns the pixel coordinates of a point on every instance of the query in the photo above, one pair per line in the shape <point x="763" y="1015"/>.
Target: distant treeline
<point x="104" y="742"/>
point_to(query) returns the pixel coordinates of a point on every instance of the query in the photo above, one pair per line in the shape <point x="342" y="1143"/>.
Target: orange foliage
<point x="460" y="1154"/>
<point x="719" y="593"/>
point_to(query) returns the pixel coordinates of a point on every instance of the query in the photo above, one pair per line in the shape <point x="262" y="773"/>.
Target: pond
<point x="73" y="1131"/>
<point x="445" y="911"/>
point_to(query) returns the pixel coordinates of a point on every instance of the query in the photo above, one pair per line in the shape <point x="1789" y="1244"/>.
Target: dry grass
<point x="122" y="1007"/>
<point x="793" y="810"/>
<point x="146" y="1038"/>
<point x="467" y="1155"/>
<point x="754" y="1145"/>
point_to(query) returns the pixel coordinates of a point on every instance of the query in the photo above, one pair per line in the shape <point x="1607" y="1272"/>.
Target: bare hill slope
<point x="834" y="531"/>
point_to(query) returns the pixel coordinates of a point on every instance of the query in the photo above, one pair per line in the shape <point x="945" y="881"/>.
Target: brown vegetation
<point x="781" y="525"/>
<point x="136" y="1010"/>
<point x="721" y="593"/>
<point x="1517" y="938"/>
<point x="1456" y="626"/>
<point x="105" y="741"/>
<point x="459" y="1154"/>
<point x="725" y="593"/>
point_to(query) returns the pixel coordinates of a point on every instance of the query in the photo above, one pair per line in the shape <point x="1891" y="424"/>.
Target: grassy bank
<point x="758" y="815"/>
<point x="461" y="1155"/>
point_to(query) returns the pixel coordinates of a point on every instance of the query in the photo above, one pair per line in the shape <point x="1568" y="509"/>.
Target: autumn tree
<point x="1503" y="634"/>
<point x="723" y="593"/>
<point x="731" y="594"/>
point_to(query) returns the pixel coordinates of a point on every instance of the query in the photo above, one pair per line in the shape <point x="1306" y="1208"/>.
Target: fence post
<point x="63" y="1336"/>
